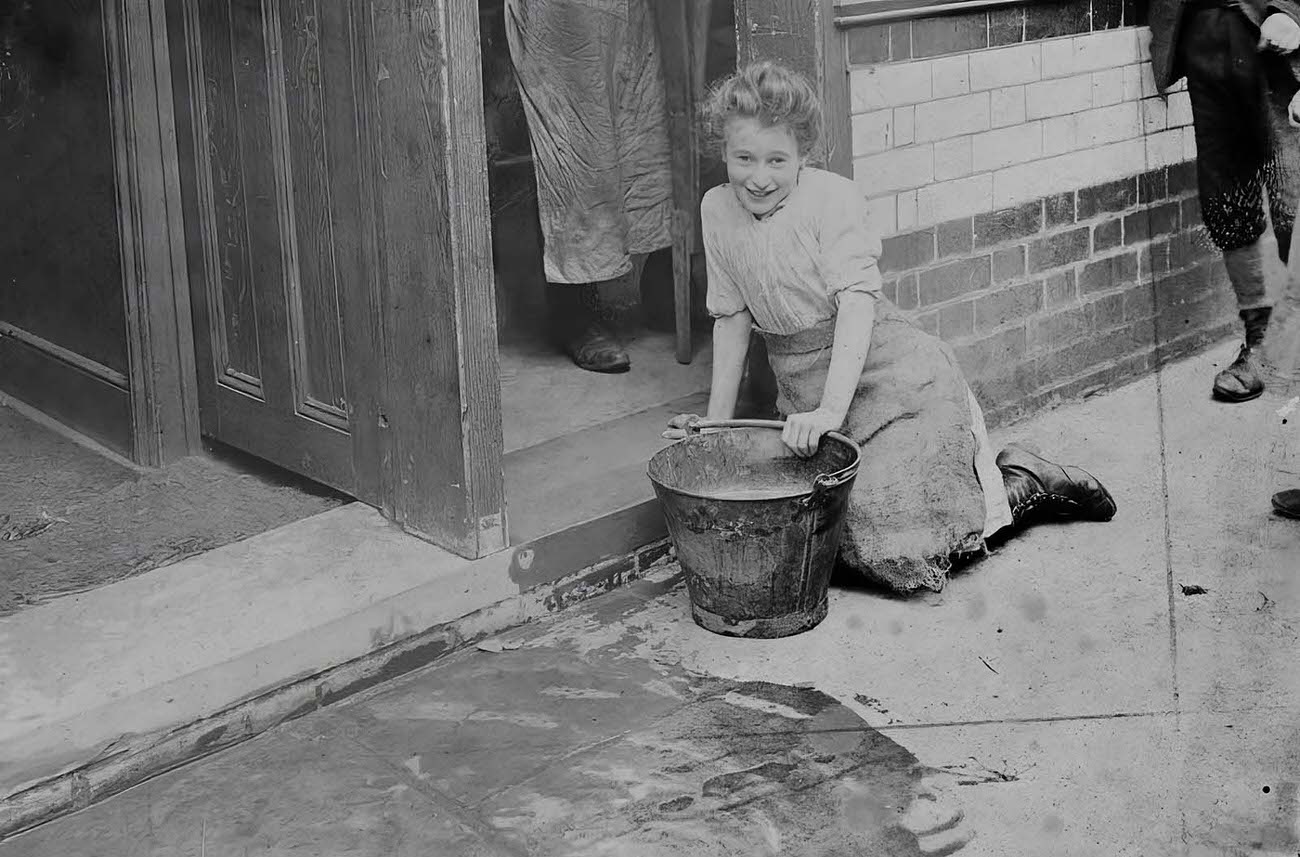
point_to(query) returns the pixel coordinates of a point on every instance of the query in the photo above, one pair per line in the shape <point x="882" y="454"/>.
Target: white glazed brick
<point x="1109" y="124"/>
<point x="895" y="170"/>
<point x="890" y="85"/>
<point x="1165" y="148"/>
<point x="1060" y="134"/>
<point x="904" y="126"/>
<point x="882" y="215"/>
<point x="1116" y="160"/>
<point x="1058" y="58"/>
<point x="1108" y="87"/>
<point x="1003" y="147"/>
<point x="1179" y="109"/>
<point x="999" y="67"/>
<point x="1155" y="115"/>
<point x="952" y="158"/>
<point x="1132" y="86"/>
<point x="950" y="76"/>
<point x="952" y="199"/>
<point x="1144" y="44"/>
<point x="872" y="132"/>
<point x="1058" y="97"/>
<point x="907" y="210"/>
<point x="952" y="117"/>
<point x="1107" y="49"/>
<point x="1007" y="106"/>
<point x="1071" y="171"/>
<point x="1139" y="82"/>
<point x="1189" y="145"/>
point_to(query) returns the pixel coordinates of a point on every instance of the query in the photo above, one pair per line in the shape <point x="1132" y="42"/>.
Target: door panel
<point x="316" y="88"/>
<point x="273" y="123"/>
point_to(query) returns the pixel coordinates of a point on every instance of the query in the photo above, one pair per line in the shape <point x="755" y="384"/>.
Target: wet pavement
<point x="576" y="738"/>
<point x="1064" y="696"/>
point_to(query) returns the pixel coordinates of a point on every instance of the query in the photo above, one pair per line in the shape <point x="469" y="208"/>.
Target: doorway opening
<point x="571" y="433"/>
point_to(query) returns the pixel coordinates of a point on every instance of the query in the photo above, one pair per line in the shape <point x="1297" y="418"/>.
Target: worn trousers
<point x="1245" y="149"/>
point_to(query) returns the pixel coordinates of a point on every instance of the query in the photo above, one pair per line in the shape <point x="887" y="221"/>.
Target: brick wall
<point x="1039" y="210"/>
<point x="1061" y="296"/>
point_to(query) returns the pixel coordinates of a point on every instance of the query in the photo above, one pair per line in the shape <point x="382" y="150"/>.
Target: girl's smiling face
<point x="763" y="163"/>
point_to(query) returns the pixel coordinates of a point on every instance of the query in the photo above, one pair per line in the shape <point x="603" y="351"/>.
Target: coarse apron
<point x="927" y="488"/>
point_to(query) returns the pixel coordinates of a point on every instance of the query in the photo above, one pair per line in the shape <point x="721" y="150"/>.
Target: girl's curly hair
<point x="770" y="93"/>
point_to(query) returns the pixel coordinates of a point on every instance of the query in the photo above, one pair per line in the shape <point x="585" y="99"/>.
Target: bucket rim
<point x="819" y="482"/>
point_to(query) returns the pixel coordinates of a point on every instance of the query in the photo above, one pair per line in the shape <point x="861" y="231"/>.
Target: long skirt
<point x="927" y="489"/>
<point x="594" y="97"/>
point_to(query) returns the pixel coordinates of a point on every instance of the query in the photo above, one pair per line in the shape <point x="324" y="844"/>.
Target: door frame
<point x="440" y="400"/>
<point x="802" y="34"/>
<point x="431" y="423"/>
<point x="161" y="380"/>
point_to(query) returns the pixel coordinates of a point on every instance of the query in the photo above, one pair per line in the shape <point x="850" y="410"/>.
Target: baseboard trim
<point x="70" y="388"/>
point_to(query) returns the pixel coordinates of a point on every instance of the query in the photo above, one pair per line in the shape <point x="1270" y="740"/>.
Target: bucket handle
<point x="823" y="483"/>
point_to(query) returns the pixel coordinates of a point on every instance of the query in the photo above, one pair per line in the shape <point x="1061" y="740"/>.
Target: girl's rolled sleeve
<point x="722" y="297"/>
<point x="850" y="249"/>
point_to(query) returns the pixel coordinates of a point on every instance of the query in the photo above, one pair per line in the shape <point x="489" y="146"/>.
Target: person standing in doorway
<point x="1230" y="52"/>
<point x="594" y="99"/>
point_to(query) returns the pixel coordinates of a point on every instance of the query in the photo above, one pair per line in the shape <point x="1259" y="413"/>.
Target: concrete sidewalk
<point x="1072" y="694"/>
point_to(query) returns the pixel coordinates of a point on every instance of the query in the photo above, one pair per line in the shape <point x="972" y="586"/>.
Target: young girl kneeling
<point x="790" y="254"/>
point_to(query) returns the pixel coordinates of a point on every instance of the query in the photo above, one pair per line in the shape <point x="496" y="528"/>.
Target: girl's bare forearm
<point x="853" y="325"/>
<point x="730" y="347"/>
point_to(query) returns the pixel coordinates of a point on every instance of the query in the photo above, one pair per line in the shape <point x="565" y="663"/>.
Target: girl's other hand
<point x="677" y="426"/>
<point x="803" y="432"/>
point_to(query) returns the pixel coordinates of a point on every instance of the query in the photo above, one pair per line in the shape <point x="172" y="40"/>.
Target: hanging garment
<point x="593" y="96"/>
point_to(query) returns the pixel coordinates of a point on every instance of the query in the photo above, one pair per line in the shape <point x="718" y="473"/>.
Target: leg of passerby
<point x="1228" y="90"/>
<point x="1280" y="358"/>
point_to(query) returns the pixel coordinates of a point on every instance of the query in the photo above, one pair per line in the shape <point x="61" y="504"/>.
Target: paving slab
<point x="1239" y="789"/>
<point x="1237" y="641"/>
<point x="1067" y="788"/>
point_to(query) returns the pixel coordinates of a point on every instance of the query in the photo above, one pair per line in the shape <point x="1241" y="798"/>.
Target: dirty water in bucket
<point x="756" y="527"/>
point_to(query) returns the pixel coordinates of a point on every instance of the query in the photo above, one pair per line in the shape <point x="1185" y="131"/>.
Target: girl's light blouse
<point x="790" y="268"/>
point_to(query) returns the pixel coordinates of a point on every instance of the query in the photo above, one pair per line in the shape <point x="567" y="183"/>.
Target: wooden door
<point x="280" y="309"/>
<point x="335" y="207"/>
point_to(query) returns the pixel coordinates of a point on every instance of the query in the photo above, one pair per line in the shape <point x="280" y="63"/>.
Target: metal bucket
<point x="756" y="527"/>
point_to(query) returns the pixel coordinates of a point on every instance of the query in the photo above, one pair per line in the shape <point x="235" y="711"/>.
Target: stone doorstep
<point x="67" y="764"/>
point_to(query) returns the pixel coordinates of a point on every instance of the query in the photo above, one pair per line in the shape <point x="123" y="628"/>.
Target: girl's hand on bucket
<point x="678" y="424"/>
<point x="803" y="432"/>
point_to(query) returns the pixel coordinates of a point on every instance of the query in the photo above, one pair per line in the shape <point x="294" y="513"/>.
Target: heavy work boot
<point x="1038" y="490"/>
<point x="1243" y="380"/>
<point x="1287" y="503"/>
<point x="577" y="328"/>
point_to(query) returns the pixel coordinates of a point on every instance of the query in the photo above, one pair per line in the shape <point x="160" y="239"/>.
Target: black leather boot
<point x="1242" y="380"/>
<point x="577" y="328"/>
<point x="1287" y="503"/>
<point x="1040" y="490"/>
